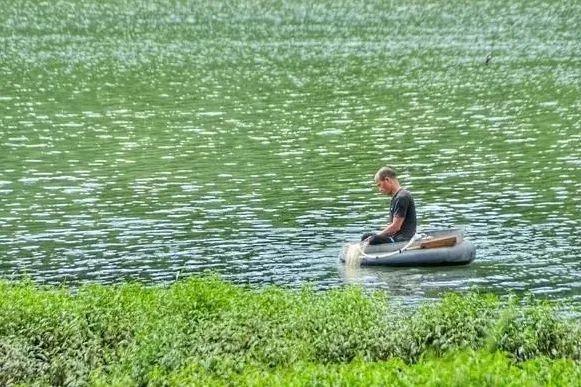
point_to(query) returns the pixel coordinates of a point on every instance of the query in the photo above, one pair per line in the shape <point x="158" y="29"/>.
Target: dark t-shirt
<point x="402" y="205"/>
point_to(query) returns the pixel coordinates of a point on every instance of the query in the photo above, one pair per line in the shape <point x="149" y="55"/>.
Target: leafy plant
<point x="204" y="328"/>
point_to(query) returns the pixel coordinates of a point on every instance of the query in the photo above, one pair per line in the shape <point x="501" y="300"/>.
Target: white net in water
<point x="353" y="254"/>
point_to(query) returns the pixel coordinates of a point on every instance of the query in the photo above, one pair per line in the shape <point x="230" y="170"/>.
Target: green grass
<point x="465" y="368"/>
<point x="204" y="330"/>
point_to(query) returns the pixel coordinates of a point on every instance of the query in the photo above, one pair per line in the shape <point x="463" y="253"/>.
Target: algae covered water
<point x="151" y="139"/>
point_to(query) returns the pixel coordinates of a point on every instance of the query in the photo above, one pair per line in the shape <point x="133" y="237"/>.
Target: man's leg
<point x="377" y="239"/>
<point x="367" y="235"/>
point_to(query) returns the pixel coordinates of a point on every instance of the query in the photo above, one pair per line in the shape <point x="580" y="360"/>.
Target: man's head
<point x="386" y="181"/>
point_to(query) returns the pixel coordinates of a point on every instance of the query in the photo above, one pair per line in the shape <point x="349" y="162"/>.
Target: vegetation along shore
<point x="204" y="330"/>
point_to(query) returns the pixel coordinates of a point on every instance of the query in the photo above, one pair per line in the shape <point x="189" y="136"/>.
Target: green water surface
<point x="150" y="139"/>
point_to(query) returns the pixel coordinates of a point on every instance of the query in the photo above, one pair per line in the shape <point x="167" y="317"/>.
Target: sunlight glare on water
<point x="146" y="139"/>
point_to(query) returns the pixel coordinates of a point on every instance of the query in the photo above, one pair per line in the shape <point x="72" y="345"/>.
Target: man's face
<point x="385" y="186"/>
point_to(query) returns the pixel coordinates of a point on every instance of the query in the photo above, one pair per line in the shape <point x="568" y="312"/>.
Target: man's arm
<point x="393" y="227"/>
<point x="400" y="210"/>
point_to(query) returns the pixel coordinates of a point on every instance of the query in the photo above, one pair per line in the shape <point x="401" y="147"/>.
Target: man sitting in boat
<point x="402" y="210"/>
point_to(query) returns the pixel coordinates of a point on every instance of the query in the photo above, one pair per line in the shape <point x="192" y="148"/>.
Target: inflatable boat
<point x="430" y="248"/>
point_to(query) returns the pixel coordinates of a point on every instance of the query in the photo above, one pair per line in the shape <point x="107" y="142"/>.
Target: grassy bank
<point x="204" y="330"/>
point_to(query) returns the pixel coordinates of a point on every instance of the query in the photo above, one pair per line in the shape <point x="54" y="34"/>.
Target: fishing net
<point x="353" y="254"/>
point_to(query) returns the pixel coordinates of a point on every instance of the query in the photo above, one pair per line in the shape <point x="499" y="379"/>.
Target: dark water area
<point x="150" y="140"/>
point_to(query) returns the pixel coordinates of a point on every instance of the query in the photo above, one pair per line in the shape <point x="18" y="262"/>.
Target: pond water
<point x="152" y="140"/>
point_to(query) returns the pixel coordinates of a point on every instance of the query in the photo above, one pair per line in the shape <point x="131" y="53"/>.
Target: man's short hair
<point x="384" y="173"/>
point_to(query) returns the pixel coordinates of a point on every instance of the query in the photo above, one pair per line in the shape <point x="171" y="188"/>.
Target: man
<point x="402" y="210"/>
